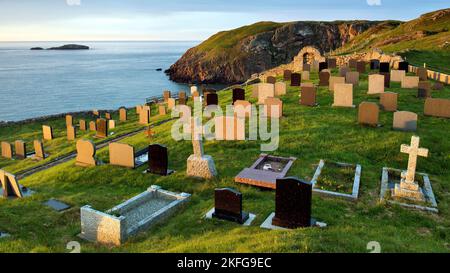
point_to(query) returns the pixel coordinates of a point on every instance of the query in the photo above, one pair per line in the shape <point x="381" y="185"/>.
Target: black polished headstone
<point x="403" y="66"/>
<point x="322" y="66"/>
<point x="212" y="99"/>
<point x="238" y="94"/>
<point x="296" y="79"/>
<point x="228" y="206"/>
<point x="385" y="67"/>
<point x="158" y="160"/>
<point x="293" y="203"/>
<point x="387" y="79"/>
<point x="374" y="64"/>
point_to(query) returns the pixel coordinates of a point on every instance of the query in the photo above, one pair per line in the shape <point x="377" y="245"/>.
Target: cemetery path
<point x="73" y="154"/>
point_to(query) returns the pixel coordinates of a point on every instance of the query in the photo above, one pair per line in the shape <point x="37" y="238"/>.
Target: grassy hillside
<point x="310" y="134"/>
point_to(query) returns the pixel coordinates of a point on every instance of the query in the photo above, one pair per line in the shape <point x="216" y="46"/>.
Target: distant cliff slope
<point x="233" y="56"/>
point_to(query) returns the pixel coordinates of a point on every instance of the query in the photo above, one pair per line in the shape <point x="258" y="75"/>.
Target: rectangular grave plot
<point x="390" y="177"/>
<point x="139" y="213"/>
<point x="337" y="179"/>
<point x="265" y="171"/>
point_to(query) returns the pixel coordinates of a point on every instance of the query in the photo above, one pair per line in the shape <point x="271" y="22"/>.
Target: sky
<point x="181" y="20"/>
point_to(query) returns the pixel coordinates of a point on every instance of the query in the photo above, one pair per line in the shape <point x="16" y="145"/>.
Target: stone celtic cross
<point x="414" y="151"/>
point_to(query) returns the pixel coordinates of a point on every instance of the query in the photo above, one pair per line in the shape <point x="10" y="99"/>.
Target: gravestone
<point x="39" y="153"/>
<point x="280" y="89"/>
<point x="166" y="95"/>
<point x="308" y="96"/>
<point x="85" y="153"/>
<point x="335" y="80"/>
<point x="92" y="126"/>
<point x="111" y="124"/>
<point x="403" y="66"/>
<point x="408" y="187"/>
<point x="198" y="164"/>
<point x="331" y="63"/>
<point x="265" y="90"/>
<point x="438" y="86"/>
<point x="397" y="75"/>
<point x="171" y="102"/>
<point x="107" y="115"/>
<point x="305" y="75"/>
<point x="385" y="67"/>
<point x="296" y="79"/>
<point x="324" y="78"/>
<point x="361" y="67"/>
<point x="424" y="89"/>
<point x="255" y="90"/>
<point x="47" y="132"/>
<point x="368" y="113"/>
<point x="405" y="121"/>
<point x="242" y="109"/>
<point x="229" y="128"/>
<point x="162" y="110"/>
<point x="71" y="133"/>
<point x="228" y="206"/>
<point x="273" y="107"/>
<point x="7" y="150"/>
<point x="307" y="84"/>
<point x="121" y="154"/>
<point x="352" y="63"/>
<point x="343" y="71"/>
<point x="82" y="124"/>
<point x="388" y="101"/>
<point x="123" y="114"/>
<point x="307" y="67"/>
<point x="144" y="115"/>
<point x="238" y="94"/>
<point x="322" y="66"/>
<point x="57" y="205"/>
<point x="158" y="160"/>
<point x="343" y="95"/>
<point x="138" y="109"/>
<point x="293" y="199"/>
<point x="410" y="82"/>
<point x="182" y="99"/>
<point x="271" y="79"/>
<point x="212" y="99"/>
<point x="376" y="84"/>
<point x="102" y="128"/>
<point x="374" y="64"/>
<point x="10" y="185"/>
<point x="353" y="78"/>
<point x="387" y="79"/>
<point x="21" y="149"/>
<point x="437" y="107"/>
<point x="69" y="120"/>
<point x="287" y="75"/>
<point x="422" y="73"/>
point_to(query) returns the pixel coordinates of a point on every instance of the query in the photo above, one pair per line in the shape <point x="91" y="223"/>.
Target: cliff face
<point x="233" y="56"/>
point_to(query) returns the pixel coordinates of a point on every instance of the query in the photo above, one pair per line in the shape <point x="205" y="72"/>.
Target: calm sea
<point x="110" y="75"/>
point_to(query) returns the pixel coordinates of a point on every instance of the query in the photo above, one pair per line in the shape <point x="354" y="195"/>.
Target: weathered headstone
<point x="410" y="82"/>
<point x="199" y="164"/>
<point x="408" y="187"/>
<point x="335" y="80"/>
<point x="102" y="128"/>
<point x="39" y="153"/>
<point x="238" y="94"/>
<point x="324" y="78"/>
<point x="405" y="121"/>
<point x="121" y="154"/>
<point x="388" y="101"/>
<point x="265" y="90"/>
<point x="352" y="77"/>
<point x="343" y="95"/>
<point x="343" y="71"/>
<point x="437" y="107"/>
<point x="376" y="84"/>
<point x="331" y="63"/>
<point x="424" y="89"/>
<point x="123" y="114"/>
<point x="397" y="75"/>
<point x="21" y="149"/>
<point x="7" y="150"/>
<point x="144" y="115"/>
<point x="85" y="153"/>
<point x="296" y="79"/>
<point x="47" y="132"/>
<point x="287" y="75"/>
<point x="271" y="79"/>
<point x="293" y="199"/>
<point x="308" y="96"/>
<point x="158" y="160"/>
<point x="82" y="124"/>
<point x="280" y="89"/>
<point x="92" y="126"/>
<point x="228" y="205"/>
<point x="71" y="133"/>
<point x="368" y="113"/>
<point x="10" y="185"/>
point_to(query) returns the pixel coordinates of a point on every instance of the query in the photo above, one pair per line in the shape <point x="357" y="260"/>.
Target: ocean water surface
<point x="110" y="75"/>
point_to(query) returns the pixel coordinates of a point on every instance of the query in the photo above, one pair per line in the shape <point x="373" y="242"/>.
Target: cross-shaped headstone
<point x="414" y="151"/>
<point x="197" y="141"/>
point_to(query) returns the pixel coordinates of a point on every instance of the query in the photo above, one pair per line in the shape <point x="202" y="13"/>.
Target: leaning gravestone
<point x="293" y="199"/>
<point x="385" y="67"/>
<point x="368" y="113"/>
<point x="343" y="95"/>
<point x="296" y="79"/>
<point x="85" y="153"/>
<point x="352" y="77"/>
<point x="376" y="84"/>
<point x="324" y="78"/>
<point x="158" y="160"/>
<point x="21" y="149"/>
<point x="424" y="89"/>
<point x="405" y="121"/>
<point x="287" y="75"/>
<point x="238" y="94"/>
<point x="123" y="114"/>
<point x="212" y="99"/>
<point x="7" y="150"/>
<point x="388" y="101"/>
<point x="82" y="125"/>
<point x="308" y="96"/>
<point x="228" y="206"/>
<point x="10" y="186"/>
<point x="102" y="128"/>
<point x="47" y="132"/>
<point x="335" y="80"/>
<point x="271" y="79"/>
<point x="199" y="164"/>
<point x="39" y="153"/>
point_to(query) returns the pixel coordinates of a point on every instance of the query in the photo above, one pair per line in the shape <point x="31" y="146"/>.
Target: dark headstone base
<point x="241" y="219"/>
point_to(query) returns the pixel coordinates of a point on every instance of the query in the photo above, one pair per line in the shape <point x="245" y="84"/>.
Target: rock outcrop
<point x="70" y="47"/>
<point x="216" y="61"/>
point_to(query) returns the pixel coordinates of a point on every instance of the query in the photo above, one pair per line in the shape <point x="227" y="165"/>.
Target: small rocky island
<point x="64" y="47"/>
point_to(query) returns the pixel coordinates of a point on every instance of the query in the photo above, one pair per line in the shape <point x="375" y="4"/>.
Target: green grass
<point x="310" y="134"/>
<point x="435" y="60"/>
